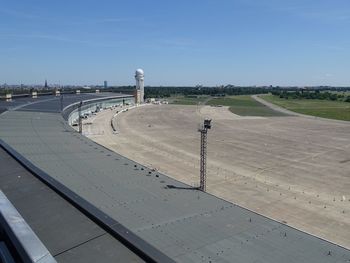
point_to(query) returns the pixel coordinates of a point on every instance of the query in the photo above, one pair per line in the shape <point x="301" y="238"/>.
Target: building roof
<point x="185" y="224"/>
<point x="49" y="103"/>
<point x="68" y="234"/>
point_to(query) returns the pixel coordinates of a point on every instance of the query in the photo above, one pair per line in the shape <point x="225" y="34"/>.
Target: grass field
<point x="244" y="106"/>
<point x="320" y="108"/>
<point x="183" y="100"/>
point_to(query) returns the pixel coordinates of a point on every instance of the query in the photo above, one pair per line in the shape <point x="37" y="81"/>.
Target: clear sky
<point x="176" y="42"/>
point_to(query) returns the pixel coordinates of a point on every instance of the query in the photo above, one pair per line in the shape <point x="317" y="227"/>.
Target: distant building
<point x="45" y="84"/>
<point x="105" y="84"/>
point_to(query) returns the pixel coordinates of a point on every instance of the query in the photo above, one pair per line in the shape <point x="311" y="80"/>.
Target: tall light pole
<point x="203" y="154"/>
<point x="80" y="118"/>
<point x="61" y="100"/>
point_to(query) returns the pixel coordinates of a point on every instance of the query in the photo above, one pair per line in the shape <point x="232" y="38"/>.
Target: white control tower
<point x="139" y="76"/>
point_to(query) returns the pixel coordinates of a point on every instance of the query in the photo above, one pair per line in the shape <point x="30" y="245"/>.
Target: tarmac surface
<point x="293" y="169"/>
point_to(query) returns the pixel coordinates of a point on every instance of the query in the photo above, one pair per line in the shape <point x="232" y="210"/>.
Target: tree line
<point x="164" y="92"/>
<point x="316" y="94"/>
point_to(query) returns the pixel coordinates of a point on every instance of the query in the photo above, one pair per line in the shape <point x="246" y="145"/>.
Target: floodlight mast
<point x="203" y="154"/>
<point x="61" y="100"/>
<point x="80" y="118"/>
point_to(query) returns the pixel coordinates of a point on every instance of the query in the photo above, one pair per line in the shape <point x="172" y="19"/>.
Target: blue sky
<point x="182" y="42"/>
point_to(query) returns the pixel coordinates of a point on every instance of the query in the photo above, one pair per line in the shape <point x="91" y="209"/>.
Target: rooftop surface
<point x="50" y="103"/>
<point x="68" y="234"/>
<point x="185" y="224"/>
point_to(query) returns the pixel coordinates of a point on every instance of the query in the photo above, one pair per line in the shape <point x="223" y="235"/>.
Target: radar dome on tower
<point x="139" y="72"/>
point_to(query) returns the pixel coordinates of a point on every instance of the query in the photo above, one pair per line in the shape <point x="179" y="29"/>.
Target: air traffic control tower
<point x="140" y="88"/>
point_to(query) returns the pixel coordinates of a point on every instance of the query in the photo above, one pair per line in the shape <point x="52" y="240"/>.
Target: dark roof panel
<point x="65" y="231"/>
